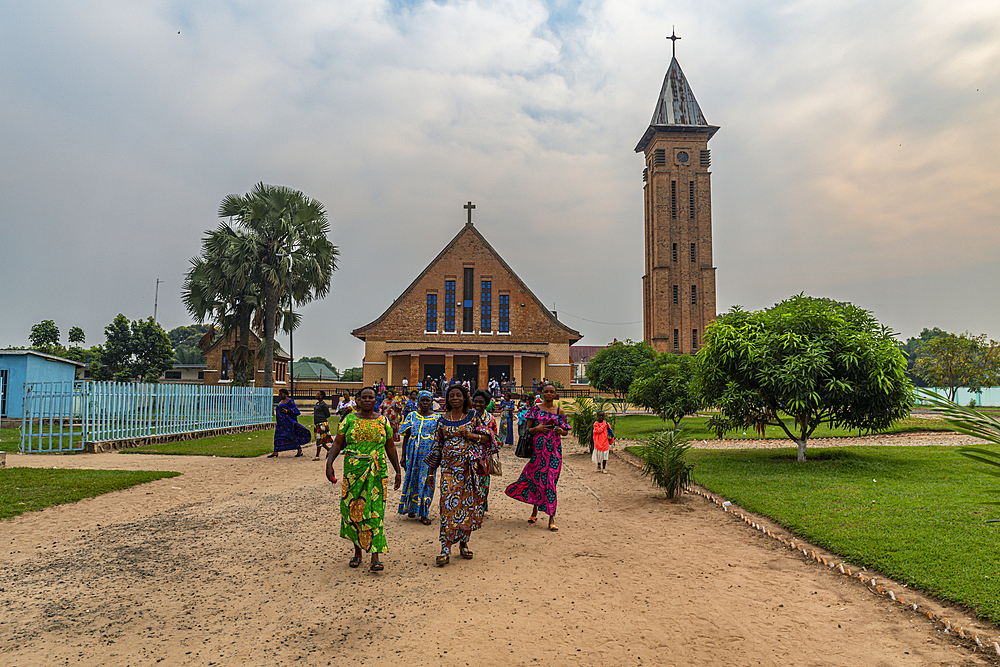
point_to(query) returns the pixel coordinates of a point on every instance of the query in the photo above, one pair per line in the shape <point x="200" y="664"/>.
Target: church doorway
<point x="468" y="372"/>
<point x="500" y="373"/>
<point x="434" y="371"/>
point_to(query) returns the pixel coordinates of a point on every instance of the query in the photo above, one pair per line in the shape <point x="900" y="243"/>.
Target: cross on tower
<point x="673" y="39"/>
<point x="469" y="207"/>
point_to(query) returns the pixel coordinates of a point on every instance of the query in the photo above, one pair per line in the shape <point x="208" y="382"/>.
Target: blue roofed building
<point x="18" y="367"/>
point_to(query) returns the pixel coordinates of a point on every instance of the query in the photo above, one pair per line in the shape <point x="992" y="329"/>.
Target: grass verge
<point x="233" y="445"/>
<point x="915" y="514"/>
<point x="10" y="439"/>
<point x="28" y="489"/>
<point x="644" y="426"/>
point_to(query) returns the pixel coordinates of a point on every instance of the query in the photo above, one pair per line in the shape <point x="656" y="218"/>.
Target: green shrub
<point x="664" y="460"/>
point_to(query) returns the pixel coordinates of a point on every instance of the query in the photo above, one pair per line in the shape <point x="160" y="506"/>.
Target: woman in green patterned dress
<point x="366" y="440"/>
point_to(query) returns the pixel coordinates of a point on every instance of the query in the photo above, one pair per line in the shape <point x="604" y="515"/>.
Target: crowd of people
<point x="450" y="440"/>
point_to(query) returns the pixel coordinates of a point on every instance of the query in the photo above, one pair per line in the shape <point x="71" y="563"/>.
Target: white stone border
<point x="871" y="583"/>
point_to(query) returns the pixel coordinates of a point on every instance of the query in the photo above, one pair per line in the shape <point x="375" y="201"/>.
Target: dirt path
<point x="239" y="562"/>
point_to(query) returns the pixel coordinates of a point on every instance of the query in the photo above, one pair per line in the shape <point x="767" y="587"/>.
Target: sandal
<point x="316" y="459"/>
<point x="354" y="562"/>
<point x="298" y="455"/>
<point x="553" y="527"/>
<point x="466" y="554"/>
<point x="377" y="566"/>
<point x="273" y="455"/>
<point x="532" y="519"/>
<point x="442" y="560"/>
<point x="412" y="515"/>
<point x="425" y="521"/>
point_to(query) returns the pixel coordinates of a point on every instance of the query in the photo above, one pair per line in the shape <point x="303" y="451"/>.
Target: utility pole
<point x="156" y="298"/>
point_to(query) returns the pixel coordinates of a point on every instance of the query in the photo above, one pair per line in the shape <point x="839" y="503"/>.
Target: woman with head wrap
<point x="418" y="432"/>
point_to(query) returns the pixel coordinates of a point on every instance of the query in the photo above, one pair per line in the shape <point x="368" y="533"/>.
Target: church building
<point x="467" y="316"/>
<point x="678" y="288"/>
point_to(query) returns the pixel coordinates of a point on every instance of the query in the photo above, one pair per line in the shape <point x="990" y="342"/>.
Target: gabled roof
<point x="676" y="107"/>
<point x="310" y="370"/>
<point x="468" y="229"/>
<point x="255" y="339"/>
<point x="50" y="357"/>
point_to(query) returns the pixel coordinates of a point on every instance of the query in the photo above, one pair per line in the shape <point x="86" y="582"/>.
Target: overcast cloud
<point x="857" y="156"/>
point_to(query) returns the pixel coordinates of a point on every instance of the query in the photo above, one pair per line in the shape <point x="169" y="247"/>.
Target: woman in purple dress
<point x="289" y="434"/>
<point x="537" y="484"/>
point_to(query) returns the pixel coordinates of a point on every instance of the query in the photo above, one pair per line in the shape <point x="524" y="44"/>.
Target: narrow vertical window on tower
<point x="467" y="290"/>
<point x="694" y="255"/>
<point x="675" y="252"/>
<point x="677" y="338"/>
<point x="694" y="294"/>
<point x="486" y="306"/>
<point x="673" y="199"/>
<point x="694" y="339"/>
<point x="503" y="314"/>
<point x="676" y="300"/>
<point x="432" y="312"/>
<point x="691" y="200"/>
<point x="449" y="305"/>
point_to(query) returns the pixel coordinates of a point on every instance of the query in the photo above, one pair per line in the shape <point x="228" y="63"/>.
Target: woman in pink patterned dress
<point x="537" y="484"/>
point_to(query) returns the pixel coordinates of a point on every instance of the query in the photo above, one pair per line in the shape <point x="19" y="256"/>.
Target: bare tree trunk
<point x="270" y="311"/>
<point x="802" y="450"/>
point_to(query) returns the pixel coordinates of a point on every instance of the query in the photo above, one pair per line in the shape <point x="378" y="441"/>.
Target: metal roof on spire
<point x="676" y="107"/>
<point x="676" y="104"/>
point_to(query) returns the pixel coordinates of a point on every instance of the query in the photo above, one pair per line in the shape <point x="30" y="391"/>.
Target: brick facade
<point x="678" y="300"/>
<point x="528" y="343"/>
<point x="219" y="370"/>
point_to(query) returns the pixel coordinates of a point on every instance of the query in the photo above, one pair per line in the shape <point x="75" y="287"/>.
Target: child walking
<point x="604" y="437"/>
<point x="321" y="415"/>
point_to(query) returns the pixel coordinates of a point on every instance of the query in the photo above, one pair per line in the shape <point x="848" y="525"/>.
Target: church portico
<point x="478" y="365"/>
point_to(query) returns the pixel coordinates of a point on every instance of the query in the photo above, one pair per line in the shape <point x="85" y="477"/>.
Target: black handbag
<point x="525" y="445"/>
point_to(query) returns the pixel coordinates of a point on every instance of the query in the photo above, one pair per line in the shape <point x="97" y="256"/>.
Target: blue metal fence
<point x="63" y="416"/>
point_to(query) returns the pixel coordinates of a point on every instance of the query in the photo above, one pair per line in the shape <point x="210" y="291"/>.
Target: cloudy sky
<point x="857" y="157"/>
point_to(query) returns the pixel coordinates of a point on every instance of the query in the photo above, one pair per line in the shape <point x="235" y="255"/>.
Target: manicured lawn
<point x="915" y="514"/>
<point x="10" y="439"/>
<point x="644" y="426"/>
<point x="235" y="445"/>
<point x="28" y="489"/>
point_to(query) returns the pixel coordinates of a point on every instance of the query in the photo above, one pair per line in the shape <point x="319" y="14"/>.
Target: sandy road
<point x="239" y="562"/>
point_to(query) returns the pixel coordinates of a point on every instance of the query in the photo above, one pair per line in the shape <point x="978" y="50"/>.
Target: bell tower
<point x="678" y="288"/>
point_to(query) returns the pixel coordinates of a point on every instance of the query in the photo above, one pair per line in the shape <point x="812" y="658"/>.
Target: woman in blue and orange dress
<point x="463" y="446"/>
<point x="365" y="437"/>
<point x="537" y="484"/>
<point x="418" y="433"/>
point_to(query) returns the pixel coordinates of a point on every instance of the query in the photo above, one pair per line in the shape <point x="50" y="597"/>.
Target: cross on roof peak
<point x="673" y="40"/>
<point x="469" y="208"/>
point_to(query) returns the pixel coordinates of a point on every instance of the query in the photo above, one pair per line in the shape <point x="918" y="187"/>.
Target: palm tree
<point x="219" y="289"/>
<point x="282" y="239"/>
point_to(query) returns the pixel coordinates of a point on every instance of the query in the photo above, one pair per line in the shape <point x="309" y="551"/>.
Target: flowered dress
<point x="463" y="494"/>
<point x="491" y="423"/>
<point x="363" y="491"/>
<point x="394" y="411"/>
<point x="537" y="483"/>
<point x="418" y="487"/>
<point x="288" y="432"/>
